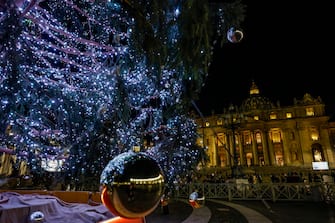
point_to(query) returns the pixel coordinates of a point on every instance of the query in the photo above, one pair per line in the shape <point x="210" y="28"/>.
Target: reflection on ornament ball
<point x="234" y="35"/>
<point x="132" y="185"/>
<point x="36" y="216"/>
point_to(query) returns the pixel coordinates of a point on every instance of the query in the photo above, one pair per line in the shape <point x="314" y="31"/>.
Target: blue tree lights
<point x="82" y="81"/>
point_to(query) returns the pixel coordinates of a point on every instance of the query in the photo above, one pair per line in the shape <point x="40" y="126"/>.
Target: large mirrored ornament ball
<point x="132" y="185"/>
<point x="234" y="35"/>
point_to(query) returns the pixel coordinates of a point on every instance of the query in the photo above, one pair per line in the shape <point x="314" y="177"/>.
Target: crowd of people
<point x="254" y="178"/>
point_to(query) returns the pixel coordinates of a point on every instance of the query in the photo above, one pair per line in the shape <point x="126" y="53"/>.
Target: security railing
<point x="317" y="191"/>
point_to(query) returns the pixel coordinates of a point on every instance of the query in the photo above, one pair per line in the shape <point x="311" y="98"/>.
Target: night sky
<point x="287" y="49"/>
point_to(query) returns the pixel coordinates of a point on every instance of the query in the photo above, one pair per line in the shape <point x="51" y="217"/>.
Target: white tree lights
<point x="87" y="79"/>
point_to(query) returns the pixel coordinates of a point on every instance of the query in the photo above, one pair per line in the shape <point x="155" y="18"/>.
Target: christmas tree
<point x="85" y="80"/>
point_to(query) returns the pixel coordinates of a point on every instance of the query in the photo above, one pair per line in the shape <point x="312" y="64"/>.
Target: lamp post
<point x="232" y="120"/>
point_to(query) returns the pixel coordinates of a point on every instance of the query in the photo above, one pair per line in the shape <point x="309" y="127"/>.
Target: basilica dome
<point x="255" y="101"/>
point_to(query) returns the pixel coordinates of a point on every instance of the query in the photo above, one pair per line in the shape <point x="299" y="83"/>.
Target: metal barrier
<point x="316" y="191"/>
<point x="261" y="191"/>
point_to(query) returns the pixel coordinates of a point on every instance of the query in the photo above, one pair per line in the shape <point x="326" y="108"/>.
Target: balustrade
<point x="315" y="191"/>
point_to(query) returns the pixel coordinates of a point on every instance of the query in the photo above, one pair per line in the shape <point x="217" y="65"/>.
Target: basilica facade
<point x="260" y="134"/>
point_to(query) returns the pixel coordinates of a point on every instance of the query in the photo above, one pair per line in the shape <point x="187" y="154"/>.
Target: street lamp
<point x="232" y="119"/>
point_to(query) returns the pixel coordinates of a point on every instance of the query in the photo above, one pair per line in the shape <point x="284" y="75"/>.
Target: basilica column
<point x="286" y="147"/>
<point x="268" y="149"/>
<point x="254" y="149"/>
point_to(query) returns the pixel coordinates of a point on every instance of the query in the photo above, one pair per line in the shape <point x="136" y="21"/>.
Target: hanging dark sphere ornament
<point x="132" y="185"/>
<point x="234" y="35"/>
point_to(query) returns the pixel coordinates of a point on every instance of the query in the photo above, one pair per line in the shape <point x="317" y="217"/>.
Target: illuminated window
<point x="309" y="111"/>
<point x="256" y="117"/>
<point x="249" y="159"/>
<point x="314" y="134"/>
<point x="207" y="124"/>
<point x="288" y="115"/>
<point x="246" y="138"/>
<point x="136" y="149"/>
<point x="221" y="139"/>
<point x="275" y="135"/>
<point x="258" y="137"/>
<point x="279" y="160"/>
<point x="317" y="155"/>
<point x="273" y="116"/>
